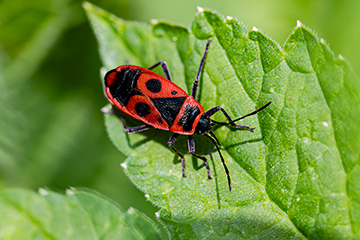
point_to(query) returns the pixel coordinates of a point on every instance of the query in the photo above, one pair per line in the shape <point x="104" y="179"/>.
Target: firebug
<point x="159" y="103"/>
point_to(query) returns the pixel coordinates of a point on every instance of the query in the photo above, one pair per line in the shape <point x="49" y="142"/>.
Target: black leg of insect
<point x="164" y="67"/>
<point x="196" y="83"/>
<point x="133" y="129"/>
<point x="213" y="110"/>
<point x="123" y="121"/>
<point x="191" y="147"/>
<point x="170" y="143"/>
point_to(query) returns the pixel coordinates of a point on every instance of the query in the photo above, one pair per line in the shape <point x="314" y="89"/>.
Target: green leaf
<point x="77" y="215"/>
<point x="296" y="176"/>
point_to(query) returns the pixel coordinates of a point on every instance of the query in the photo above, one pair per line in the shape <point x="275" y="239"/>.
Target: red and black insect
<point x="159" y="103"/>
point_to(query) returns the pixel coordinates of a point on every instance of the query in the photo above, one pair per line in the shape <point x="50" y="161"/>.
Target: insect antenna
<point x="252" y="113"/>
<point x="213" y="122"/>
<point x="222" y="159"/>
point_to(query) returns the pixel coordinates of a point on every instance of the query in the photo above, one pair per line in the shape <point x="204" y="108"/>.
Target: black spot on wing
<point x="153" y="85"/>
<point x="142" y="109"/>
<point x="174" y="92"/>
<point x="190" y="114"/>
<point x="168" y="107"/>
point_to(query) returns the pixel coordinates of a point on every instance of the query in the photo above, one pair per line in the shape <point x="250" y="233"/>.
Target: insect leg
<point x="191" y="146"/>
<point x="196" y="83"/>
<point x="164" y="67"/>
<point x="126" y="129"/>
<point x="213" y="110"/>
<point x="133" y="129"/>
<point x="170" y="143"/>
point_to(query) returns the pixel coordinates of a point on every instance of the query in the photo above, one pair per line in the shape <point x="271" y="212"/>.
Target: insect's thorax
<point x="188" y="117"/>
<point x="153" y="99"/>
<point x="203" y="125"/>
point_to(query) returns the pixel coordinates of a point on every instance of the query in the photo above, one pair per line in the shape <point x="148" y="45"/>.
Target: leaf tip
<point x="103" y="71"/>
<point x="341" y="57"/>
<point x="43" y="191"/>
<point x="70" y="191"/>
<point x="154" y="21"/>
<point x="124" y="165"/>
<point x="131" y="210"/>
<point x="298" y="23"/>
<point x="200" y="9"/>
<point x="106" y="110"/>
<point x="254" y="29"/>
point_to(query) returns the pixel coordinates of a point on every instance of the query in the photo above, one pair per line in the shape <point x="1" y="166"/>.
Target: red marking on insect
<point x="159" y="103"/>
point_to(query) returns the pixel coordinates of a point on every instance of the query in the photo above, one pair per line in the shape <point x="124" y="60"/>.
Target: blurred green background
<point x="51" y="130"/>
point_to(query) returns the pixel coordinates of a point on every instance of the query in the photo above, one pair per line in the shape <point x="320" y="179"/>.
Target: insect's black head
<point x="203" y="125"/>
